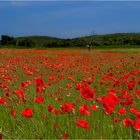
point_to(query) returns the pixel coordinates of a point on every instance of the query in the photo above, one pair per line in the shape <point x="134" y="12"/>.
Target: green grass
<point x="101" y="126"/>
<point x="125" y="50"/>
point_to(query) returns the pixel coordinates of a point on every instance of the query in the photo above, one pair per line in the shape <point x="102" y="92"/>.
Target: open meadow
<point x="74" y="94"/>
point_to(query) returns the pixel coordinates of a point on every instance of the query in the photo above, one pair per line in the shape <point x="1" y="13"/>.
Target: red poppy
<point x="128" y="122"/>
<point x="108" y="105"/>
<point x="122" y="111"/>
<point x="137" y="125"/>
<point x="131" y="85"/>
<point x="27" y="112"/>
<point x="55" y="112"/>
<point x="39" y="82"/>
<point x="20" y="93"/>
<point x="78" y="86"/>
<point x="110" y="102"/>
<point x="67" y="107"/>
<point x="25" y="84"/>
<point x="82" y="123"/>
<point x="56" y="125"/>
<point x="84" y="110"/>
<point x="13" y="112"/>
<point x="88" y="80"/>
<point x="69" y="85"/>
<point x="40" y="89"/>
<point x="50" y="108"/>
<point x="65" y="136"/>
<point x="116" y="119"/>
<point x="134" y="111"/>
<point x="127" y="102"/>
<point x="39" y="99"/>
<point x="113" y="98"/>
<point x="3" y="101"/>
<point x="137" y="92"/>
<point x="87" y="93"/>
<point x="138" y="115"/>
<point x="94" y="108"/>
<point x="0" y="136"/>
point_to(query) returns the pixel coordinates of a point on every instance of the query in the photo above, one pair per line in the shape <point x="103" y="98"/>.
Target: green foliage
<point x="26" y="43"/>
<point x="7" y="40"/>
<point x="102" y="41"/>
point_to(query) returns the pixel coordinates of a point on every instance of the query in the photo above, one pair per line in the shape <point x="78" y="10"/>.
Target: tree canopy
<point x="122" y="39"/>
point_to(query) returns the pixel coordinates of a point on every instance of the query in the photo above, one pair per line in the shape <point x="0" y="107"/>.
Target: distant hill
<point x="40" y="40"/>
<point x="112" y="40"/>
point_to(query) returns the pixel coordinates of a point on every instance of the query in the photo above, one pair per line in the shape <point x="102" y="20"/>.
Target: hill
<point x="117" y="39"/>
<point x="40" y="40"/>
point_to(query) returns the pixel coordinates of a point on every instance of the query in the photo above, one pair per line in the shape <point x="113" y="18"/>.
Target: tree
<point x="88" y="41"/>
<point x="26" y="43"/>
<point x="7" y="40"/>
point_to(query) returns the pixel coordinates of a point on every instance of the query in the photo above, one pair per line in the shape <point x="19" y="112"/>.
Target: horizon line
<point x="35" y="35"/>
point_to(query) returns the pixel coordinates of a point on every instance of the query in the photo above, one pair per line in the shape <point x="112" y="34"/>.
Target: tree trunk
<point x="89" y="48"/>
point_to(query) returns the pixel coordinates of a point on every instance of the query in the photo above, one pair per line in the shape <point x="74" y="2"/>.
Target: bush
<point x="26" y="43"/>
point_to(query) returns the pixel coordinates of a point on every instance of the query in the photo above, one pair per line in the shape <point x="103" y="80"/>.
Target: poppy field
<point x="69" y="94"/>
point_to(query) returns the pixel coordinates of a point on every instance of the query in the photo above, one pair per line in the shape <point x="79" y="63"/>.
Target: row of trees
<point x="8" y="40"/>
<point x="112" y="39"/>
<point x="58" y="43"/>
<point x="87" y="41"/>
<point x="120" y="40"/>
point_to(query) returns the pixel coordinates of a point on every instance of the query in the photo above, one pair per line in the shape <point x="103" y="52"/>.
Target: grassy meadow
<point x="70" y="94"/>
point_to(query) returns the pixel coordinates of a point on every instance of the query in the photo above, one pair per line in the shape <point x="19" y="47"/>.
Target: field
<point x="74" y="94"/>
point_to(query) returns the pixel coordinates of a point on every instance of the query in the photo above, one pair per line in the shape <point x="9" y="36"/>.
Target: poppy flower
<point x="108" y="105"/>
<point x="84" y="110"/>
<point x="137" y="125"/>
<point x="138" y="115"/>
<point x="67" y="107"/>
<point x="78" y="86"/>
<point x="131" y="85"/>
<point x="39" y="99"/>
<point x="40" y="89"/>
<point x="56" y="125"/>
<point x="13" y="112"/>
<point x="65" y="136"/>
<point x="55" y="112"/>
<point x="3" y="101"/>
<point x="83" y="124"/>
<point x="94" y="108"/>
<point x="20" y="93"/>
<point x="87" y="93"/>
<point x="137" y="92"/>
<point x="113" y="98"/>
<point x="128" y="122"/>
<point x="27" y="112"/>
<point x="0" y="136"/>
<point x="69" y="85"/>
<point x="39" y="82"/>
<point x="134" y="111"/>
<point x="50" y="108"/>
<point x="116" y="120"/>
<point x="122" y="111"/>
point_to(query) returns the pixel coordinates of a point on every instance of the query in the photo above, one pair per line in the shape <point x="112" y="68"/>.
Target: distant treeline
<point x="9" y="40"/>
<point x="119" y="39"/>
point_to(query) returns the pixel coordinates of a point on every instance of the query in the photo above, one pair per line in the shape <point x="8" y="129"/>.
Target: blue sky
<point x="68" y="19"/>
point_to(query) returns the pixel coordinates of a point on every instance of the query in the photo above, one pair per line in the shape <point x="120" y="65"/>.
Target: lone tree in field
<point x="89" y="41"/>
